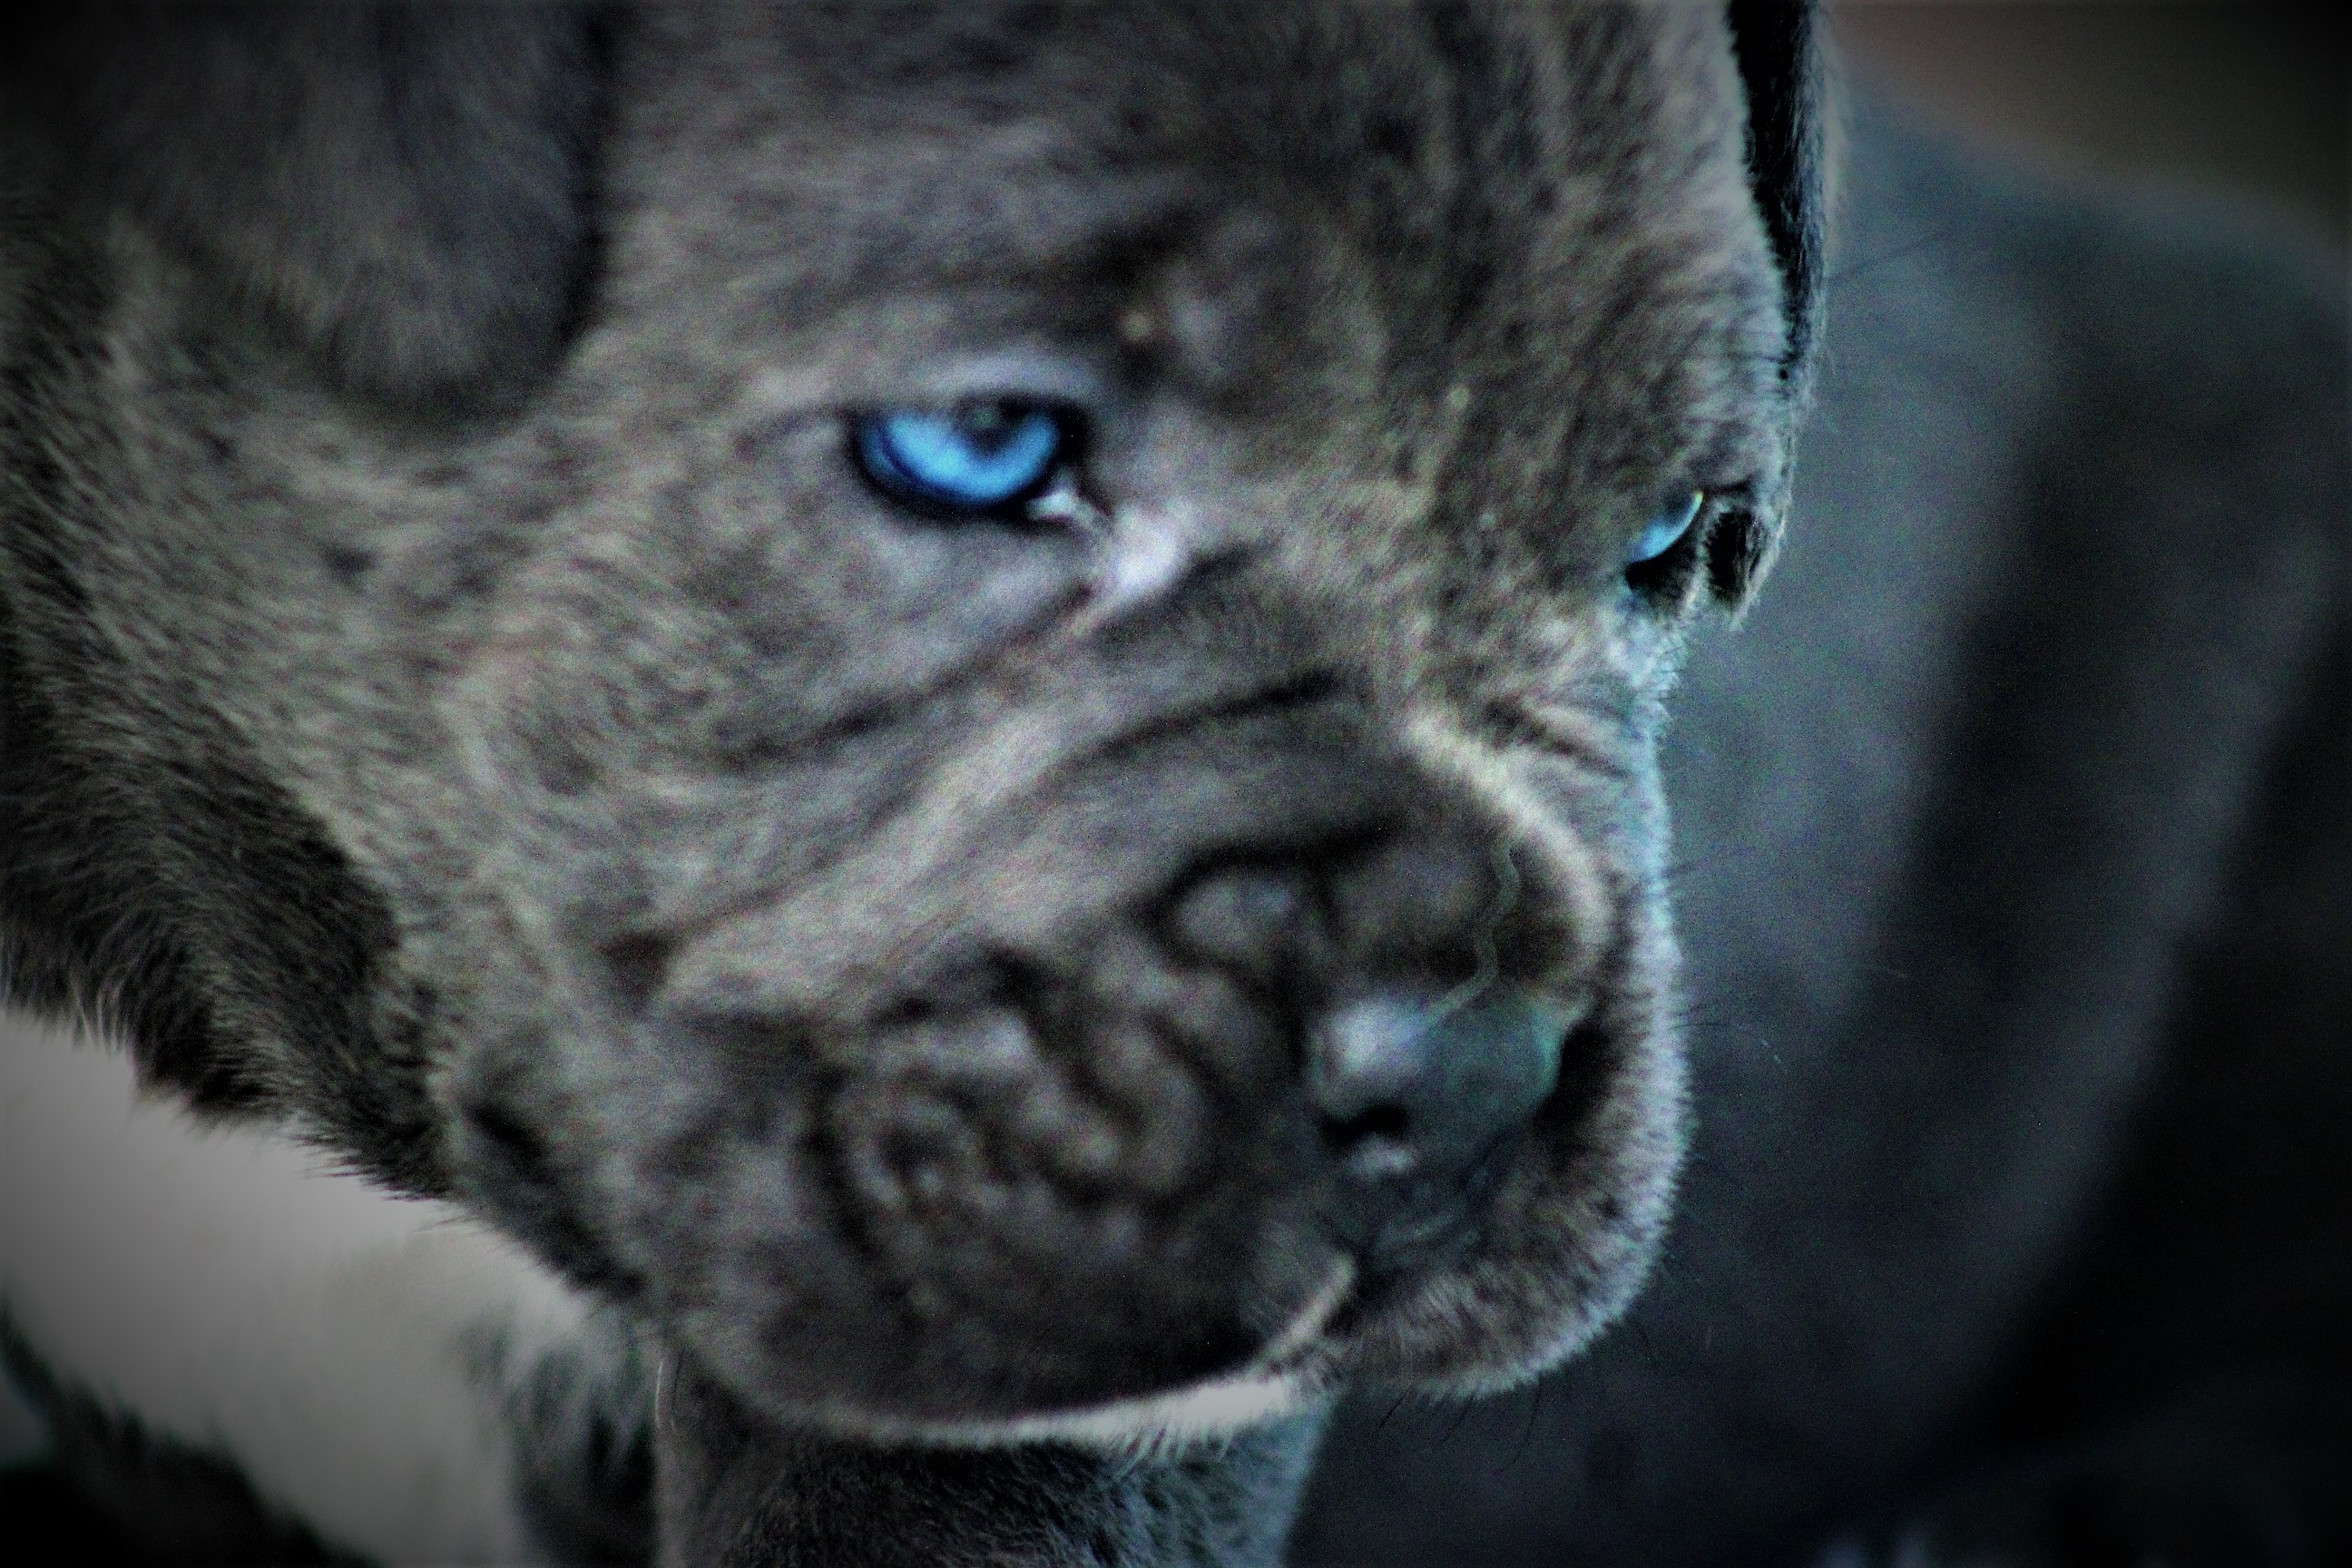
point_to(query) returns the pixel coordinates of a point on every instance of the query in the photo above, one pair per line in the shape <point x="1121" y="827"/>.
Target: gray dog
<point x="861" y="781"/>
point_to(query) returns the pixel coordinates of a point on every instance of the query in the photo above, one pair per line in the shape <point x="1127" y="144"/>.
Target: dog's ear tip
<point x="1778" y="53"/>
<point x="1775" y="46"/>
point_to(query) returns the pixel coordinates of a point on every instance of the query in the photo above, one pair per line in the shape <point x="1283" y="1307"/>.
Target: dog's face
<point x="1014" y="787"/>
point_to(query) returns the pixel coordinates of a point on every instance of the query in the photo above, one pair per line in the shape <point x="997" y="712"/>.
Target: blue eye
<point x="1665" y="530"/>
<point x="962" y="462"/>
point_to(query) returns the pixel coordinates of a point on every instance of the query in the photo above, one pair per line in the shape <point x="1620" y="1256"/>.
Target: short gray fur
<point x="442" y="708"/>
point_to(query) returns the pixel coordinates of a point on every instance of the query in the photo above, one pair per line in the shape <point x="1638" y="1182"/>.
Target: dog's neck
<point x="737" y="1490"/>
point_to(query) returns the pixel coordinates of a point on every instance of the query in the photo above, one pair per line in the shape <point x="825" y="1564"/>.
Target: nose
<point x="1418" y="1098"/>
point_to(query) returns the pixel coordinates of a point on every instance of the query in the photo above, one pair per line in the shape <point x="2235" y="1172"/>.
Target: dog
<point x="859" y="783"/>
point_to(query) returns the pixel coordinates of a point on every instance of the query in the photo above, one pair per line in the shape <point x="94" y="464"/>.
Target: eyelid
<point x="1055" y="380"/>
<point x="1666" y="529"/>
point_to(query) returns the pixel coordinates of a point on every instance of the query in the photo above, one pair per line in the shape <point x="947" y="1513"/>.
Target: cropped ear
<point x="404" y="187"/>
<point x="1780" y="69"/>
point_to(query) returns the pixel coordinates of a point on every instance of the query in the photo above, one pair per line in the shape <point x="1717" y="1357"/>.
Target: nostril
<point x="1431" y="1086"/>
<point x="1374" y="1148"/>
<point x="1389" y="1121"/>
<point x="1420" y="1103"/>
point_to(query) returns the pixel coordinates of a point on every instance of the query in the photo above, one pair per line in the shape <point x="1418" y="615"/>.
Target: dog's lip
<point x="1322" y="1307"/>
<point x="1291" y="1369"/>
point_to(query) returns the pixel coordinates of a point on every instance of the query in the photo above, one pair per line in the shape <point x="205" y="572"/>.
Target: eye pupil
<point x="1665" y="530"/>
<point x="962" y="462"/>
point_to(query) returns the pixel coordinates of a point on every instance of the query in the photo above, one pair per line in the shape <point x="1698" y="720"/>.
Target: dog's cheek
<point x="630" y="751"/>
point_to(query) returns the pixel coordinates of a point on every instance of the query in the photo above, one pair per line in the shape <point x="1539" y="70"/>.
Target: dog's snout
<point x="1417" y="1095"/>
<point x="1416" y="972"/>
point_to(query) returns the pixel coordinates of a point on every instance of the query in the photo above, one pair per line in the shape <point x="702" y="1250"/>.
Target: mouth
<point x="1073" y="1210"/>
<point x="1292" y="1371"/>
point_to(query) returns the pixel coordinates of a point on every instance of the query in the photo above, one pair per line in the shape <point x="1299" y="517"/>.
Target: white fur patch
<point x="1148" y="553"/>
<point x="1215" y="1409"/>
<point x="1160" y="1423"/>
<point x="1271" y="1386"/>
<point x="230" y="1289"/>
<point x="1141" y="553"/>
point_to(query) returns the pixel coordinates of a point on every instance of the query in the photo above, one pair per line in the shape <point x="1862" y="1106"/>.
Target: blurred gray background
<point x="2249" y="95"/>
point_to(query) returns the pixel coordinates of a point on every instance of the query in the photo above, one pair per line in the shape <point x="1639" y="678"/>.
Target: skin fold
<point x="872" y="1030"/>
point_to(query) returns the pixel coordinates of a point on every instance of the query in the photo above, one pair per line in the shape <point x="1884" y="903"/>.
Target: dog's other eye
<point x="972" y="461"/>
<point x="1664" y="531"/>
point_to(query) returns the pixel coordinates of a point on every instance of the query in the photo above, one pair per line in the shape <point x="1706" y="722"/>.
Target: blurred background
<point x="2253" y="96"/>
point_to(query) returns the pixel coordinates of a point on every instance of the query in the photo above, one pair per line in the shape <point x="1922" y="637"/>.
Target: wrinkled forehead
<point x="810" y="150"/>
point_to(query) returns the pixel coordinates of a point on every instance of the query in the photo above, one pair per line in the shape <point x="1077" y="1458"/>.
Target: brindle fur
<point x="460" y="700"/>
